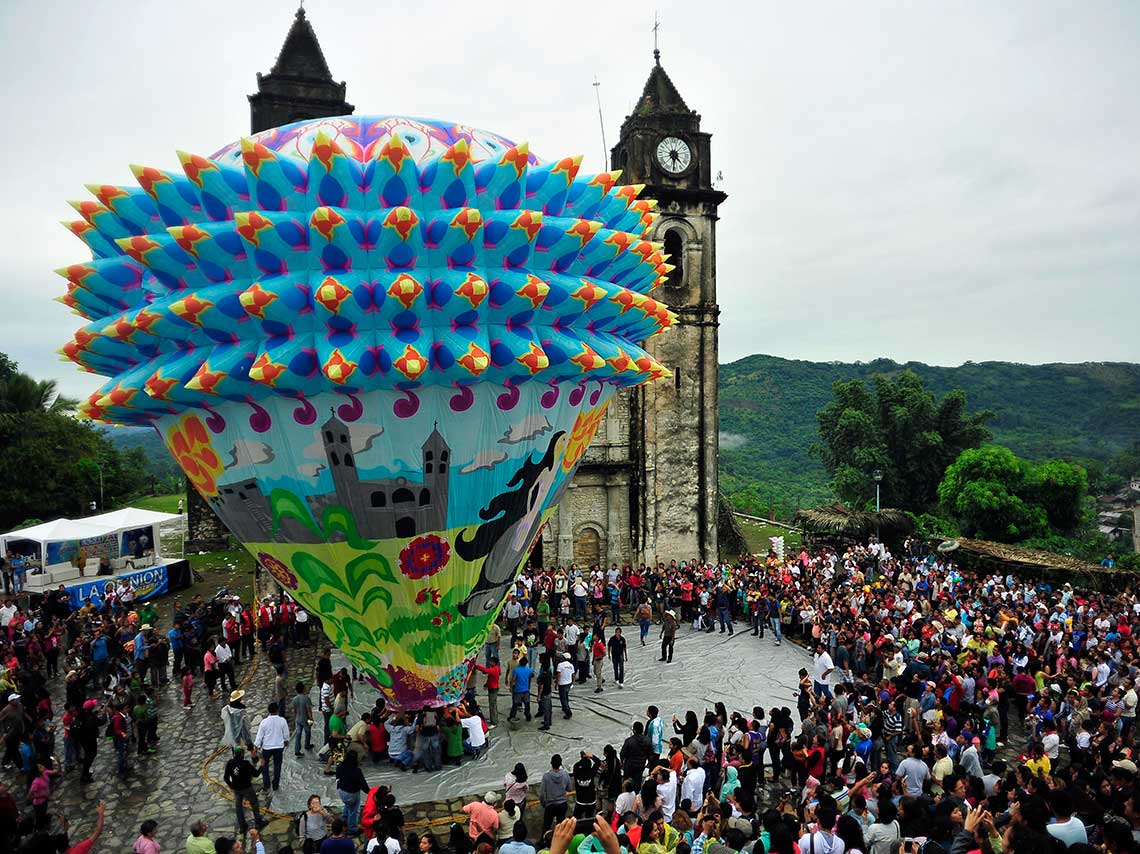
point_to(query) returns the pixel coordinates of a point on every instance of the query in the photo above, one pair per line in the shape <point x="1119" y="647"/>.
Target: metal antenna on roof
<point x="601" y="123"/>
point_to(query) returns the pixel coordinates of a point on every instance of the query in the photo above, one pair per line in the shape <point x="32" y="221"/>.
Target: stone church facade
<point x="646" y="491"/>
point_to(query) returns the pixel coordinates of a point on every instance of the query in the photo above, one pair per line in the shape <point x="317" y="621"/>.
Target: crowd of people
<point x="941" y="709"/>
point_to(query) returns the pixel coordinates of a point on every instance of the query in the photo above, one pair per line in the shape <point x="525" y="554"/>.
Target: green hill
<point x="1088" y="411"/>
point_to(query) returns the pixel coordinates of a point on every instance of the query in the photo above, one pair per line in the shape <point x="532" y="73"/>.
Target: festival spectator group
<point x="944" y="712"/>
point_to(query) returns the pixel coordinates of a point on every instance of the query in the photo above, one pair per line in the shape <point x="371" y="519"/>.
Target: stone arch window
<point x="348" y="461"/>
<point x="427" y="468"/>
<point x="334" y="457"/>
<point x="379" y="499"/>
<point x="675" y="249"/>
<point x="328" y="436"/>
<point x="429" y="456"/>
<point x="443" y="456"/>
<point x="405" y="526"/>
<point x="403" y="496"/>
<point x="425" y="498"/>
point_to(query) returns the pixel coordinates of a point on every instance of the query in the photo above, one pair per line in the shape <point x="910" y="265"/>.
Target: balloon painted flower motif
<point x="424" y="556"/>
<point x="282" y="574"/>
<point x="585" y="426"/>
<point x="189" y="443"/>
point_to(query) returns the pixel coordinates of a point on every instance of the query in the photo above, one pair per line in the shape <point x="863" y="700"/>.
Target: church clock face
<point x="673" y="155"/>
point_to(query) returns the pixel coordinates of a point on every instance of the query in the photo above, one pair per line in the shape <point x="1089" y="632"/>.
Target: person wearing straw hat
<point x="236" y="732"/>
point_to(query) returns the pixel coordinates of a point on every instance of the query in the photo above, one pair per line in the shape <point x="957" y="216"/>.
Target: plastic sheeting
<point x="739" y="670"/>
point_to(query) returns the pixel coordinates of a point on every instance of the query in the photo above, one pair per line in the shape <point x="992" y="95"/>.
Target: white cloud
<point x="528" y="428"/>
<point x="249" y="453"/>
<point x="311" y="469"/>
<point x="484" y="460"/>
<point x="897" y="170"/>
<point x="361" y="436"/>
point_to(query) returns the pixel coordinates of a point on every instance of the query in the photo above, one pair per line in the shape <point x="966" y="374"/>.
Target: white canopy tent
<point x="89" y="529"/>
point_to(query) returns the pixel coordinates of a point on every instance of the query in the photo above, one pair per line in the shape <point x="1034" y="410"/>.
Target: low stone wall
<point x="437" y="817"/>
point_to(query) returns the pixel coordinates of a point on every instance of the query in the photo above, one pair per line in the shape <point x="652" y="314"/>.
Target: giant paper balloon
<point x="378" y="347"/>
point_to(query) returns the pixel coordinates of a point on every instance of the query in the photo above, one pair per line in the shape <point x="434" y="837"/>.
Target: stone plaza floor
<point x="181" y="782"/>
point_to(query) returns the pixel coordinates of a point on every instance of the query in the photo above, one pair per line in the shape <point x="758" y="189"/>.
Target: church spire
<point x="659" y="94"/>
<point x="300" y="85"/>
<point x="301" y="54"/>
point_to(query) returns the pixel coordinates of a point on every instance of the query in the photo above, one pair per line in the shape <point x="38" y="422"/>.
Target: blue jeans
<point x="776" y="630"/>
<point x="122" y="748"/>
<point x="644" y="630"/>
<point x="300" y="727"/>
<point x="351" y="812"/>
<point x="404" y="758"/>
<point x="489" y="650"/>
<point x="427" y="752"/>
<point x="272" y="756"/>
<point x="725" y="619"/>
<point x="822" y="689"/>
<point x="519" y="700"/>
<point x="70" y="754"/>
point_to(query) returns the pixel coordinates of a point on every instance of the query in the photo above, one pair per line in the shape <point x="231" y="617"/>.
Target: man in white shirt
<point x="7" y="613"/>
<point x="565" y="675"/>
<point x="822" y="673"/>
<point x="272" y="736"/>
<point x="693" y="783"/>
<point x="667" y="790"/>
<point x="823" y="841"/>
<point x="225" y="664"/>
<point x="474" y="739"/>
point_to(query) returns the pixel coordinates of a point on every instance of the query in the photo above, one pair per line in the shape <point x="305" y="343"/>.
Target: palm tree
<point x="20" y="393"/>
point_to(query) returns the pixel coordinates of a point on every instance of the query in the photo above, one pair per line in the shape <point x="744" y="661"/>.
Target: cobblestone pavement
<point x="167" y="786"/>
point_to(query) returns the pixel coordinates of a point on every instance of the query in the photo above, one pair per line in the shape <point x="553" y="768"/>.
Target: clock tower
<point x="674" y="422"/>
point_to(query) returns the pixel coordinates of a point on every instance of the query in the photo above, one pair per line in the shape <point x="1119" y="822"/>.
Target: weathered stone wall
<point x="204" y="530"/>
<point x="598" y="498"/>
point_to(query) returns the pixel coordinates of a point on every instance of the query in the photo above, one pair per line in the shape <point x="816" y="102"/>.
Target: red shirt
<point x="493" y="673"/>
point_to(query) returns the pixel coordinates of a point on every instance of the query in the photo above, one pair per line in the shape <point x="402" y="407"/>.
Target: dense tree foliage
<point x="1084" y="413"/>
<point x="50" y="463"/>
<point x="995" y="495"/>
<point x="900" y="429"/>
<point x="21" y="393"/>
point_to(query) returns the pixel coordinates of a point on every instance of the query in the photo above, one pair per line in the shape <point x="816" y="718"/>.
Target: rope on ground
<point x="218" y="786"/>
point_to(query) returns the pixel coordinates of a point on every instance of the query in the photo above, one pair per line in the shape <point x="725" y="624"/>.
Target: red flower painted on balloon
<point x="424" y="556"/>
<point x="281" y="573"/>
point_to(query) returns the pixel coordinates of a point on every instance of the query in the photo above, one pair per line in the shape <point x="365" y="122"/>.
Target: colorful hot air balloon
<point x="378" y="346"/>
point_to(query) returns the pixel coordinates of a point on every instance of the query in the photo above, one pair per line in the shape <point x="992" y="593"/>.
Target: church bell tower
<point x="299" y="86"/>
<point x="674" y="422"/>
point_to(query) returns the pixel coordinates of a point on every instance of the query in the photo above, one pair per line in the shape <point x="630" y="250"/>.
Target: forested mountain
<point x="1084" y="412"/>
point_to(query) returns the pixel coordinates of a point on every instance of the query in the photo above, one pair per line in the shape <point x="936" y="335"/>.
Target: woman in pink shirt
<point x="39" y="793"/>
<point x="146" y="843"/>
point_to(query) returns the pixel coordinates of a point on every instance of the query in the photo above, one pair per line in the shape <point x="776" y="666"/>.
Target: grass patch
<point x="159" y="503"/>
<point x="757" y="534"/>
<point x="232" y="569"/>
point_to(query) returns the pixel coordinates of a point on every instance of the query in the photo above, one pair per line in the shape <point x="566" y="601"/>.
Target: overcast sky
<point x="920" y="180"/>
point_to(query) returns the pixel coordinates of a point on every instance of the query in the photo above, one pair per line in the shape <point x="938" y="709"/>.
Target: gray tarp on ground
<point x="739" y="670"/>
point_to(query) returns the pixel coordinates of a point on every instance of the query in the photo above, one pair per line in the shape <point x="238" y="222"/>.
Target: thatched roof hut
<point x="1034" y="564"/>
<point x="845" y="523"/>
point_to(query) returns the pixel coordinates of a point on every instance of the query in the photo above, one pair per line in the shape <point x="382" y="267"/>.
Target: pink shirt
<point x="39" y="790"/>
<point x="146" y="846"/>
